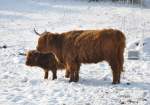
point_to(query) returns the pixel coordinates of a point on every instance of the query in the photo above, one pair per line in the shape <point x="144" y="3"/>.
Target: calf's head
<point x="32" y="57"/>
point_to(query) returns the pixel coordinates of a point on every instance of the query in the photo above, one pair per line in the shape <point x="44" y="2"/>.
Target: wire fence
<point x="143" y="3"/>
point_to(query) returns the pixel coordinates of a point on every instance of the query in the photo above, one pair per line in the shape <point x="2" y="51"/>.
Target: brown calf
<point x="45" y="61"/>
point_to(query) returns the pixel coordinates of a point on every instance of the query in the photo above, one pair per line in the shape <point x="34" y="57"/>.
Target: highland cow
<point x="85" y="46"/>
<point x="45" y="61"/>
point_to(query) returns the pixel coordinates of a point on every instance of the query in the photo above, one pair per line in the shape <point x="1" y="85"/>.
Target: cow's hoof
<point x="45" y="77"/>
<point x="76" y="80"/>
<point x="73" y="80"/>
<point x="114" y="83"/>
<point x="70" y="81"/>
<point x="54" y="78"/>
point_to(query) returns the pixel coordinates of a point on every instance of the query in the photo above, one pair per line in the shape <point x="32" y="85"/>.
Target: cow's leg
<point x="71" y="74"/>
<point x="120" y="63"/>
<point x="69" y="70"/>
<point x="46" y="74"/>
<point x="54" y="72"/>
<point x="118" y="66"/>
<point x="121" y="59"/>
<point x="115" y="71"/>
<point x="76" y="73"/>
<point x="73" y="71"/>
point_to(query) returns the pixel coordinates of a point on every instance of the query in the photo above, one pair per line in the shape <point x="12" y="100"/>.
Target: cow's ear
<point x="50" y="41"/>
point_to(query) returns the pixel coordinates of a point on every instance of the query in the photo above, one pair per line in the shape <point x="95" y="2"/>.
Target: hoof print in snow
<point x="131" y="101"/>
<point x="106" y="92"/>
<point x="24" y="80"/>
<point x="105" y="79"/>
<point x="122" y="103"/>
<point x="4" y="46"/>
<point x="128" y="83"/>
<point x="87" y="104"/>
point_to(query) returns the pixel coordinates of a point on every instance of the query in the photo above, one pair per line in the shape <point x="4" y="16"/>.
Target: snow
<point x="23" y="85"/>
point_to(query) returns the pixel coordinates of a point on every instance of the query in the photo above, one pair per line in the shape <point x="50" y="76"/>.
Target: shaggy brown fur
<point x="85" y="46"/>
<point x="45" y="61"/>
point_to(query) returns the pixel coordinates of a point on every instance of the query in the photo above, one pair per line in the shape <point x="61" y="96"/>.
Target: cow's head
<point x="46" y="41"/>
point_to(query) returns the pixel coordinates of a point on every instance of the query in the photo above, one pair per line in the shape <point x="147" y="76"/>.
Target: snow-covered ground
<point x="22" y="85"/>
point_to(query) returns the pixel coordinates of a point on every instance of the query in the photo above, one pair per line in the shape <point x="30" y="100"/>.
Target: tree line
<point x="128" y="1"/>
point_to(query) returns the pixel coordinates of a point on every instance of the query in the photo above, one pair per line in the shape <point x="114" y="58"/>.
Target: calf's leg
<point x="67" y="73"/>
<point x="46" y="74"/>
<point x="54" y="73"/>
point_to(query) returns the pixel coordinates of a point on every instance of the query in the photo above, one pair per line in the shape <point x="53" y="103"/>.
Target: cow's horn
<point x="36" y="32"/>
